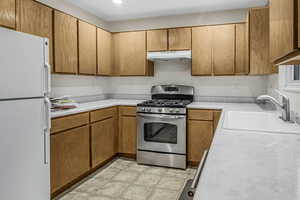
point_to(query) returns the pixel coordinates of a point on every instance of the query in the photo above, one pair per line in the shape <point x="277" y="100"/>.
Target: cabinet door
<point x="130" y="54"/>
<point x="202" y="50"/>
<point x="127" y="135"/>
<point x="65" y="43"/>
<point x="70" y="156"/>
<point x="259" y="41"/>
<point x="242" y="49"/>
<point x="157" y="40"/>
<point x="87" y="35"/>
<point x="282" y="28"/>
<point x="223" y="49"/>
<point x="180" y="39"/>
<point x="102" y="141"/>
<point x="217" y="115"/>
<point x="200" y="135"/>
<point x="8" y="13"/>
<point x="35" y="18"/>
<point x="104" y="52"/>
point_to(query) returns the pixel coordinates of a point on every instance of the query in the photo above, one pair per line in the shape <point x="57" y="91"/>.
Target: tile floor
<point x="124" y="179"/>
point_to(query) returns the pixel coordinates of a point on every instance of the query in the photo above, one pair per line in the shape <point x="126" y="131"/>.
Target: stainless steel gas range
<point x="162" y="126"/>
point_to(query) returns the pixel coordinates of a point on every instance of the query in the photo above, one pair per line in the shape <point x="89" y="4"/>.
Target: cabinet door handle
<point x="199" y="170"/>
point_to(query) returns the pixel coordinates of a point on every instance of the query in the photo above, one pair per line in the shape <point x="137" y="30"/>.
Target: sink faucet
<point x="285" y="105"/>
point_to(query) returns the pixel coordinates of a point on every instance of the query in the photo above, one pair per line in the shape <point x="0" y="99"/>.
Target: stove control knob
<point x="148" y="109"/>
<point x="177" y="110"/>
<point x="159" y="110"/>
<point x="171" y="110"/>
<point x="143" y="109"/>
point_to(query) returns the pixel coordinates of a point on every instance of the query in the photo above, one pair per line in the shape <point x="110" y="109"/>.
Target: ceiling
<point x="134" y="9"/>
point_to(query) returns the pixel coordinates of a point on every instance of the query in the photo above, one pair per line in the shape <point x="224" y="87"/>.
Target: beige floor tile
<point x="126" y="176"/>
<point x="161" y="194"/>
<point x="107" y="173"/>
<point x="138" y="168"/>
<point x="67" y="196"/>
<point x="113" y="189"/>
<point x="80" y="196"/>
<point x="148" y="180"/>
<point x="177" y="173"/>
<point x="171" y="183"/>
<point x="99" y="198"/>
<point x="125" y="162"/>
<point x="137" y="192"/>
<point x="156" y="170"/>
<point x="92" y="185"/>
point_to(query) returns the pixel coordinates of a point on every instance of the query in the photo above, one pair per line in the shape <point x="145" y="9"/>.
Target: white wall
<point x="78" y="85"/>
<point x="220" y="17"/>
<point x="76" y="12"/>
<point x="176" y="72"/>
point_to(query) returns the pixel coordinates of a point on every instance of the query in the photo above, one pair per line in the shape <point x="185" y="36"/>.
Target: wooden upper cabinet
<point x="65" y="43"/>
<point x="104" y="52"/>
<point x="241" y="49"/>
<point x="202" y="51"/>
<point x="130" y="54"/>
<point x="180" y="39"/>
<point x="223" y="46"/>
<point x="157" y="40"/>
<point x="8" y="13"/>
<point x="283" y="26"/>
<point x="37" y="19"/>
<point x="87" y="35"/>
<point x="259" y="40"/>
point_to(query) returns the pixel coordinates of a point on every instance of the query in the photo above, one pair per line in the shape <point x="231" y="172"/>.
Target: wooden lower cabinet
<point x="70" y="156"/>
<point x="127" y="130"/>
<point x="103" y="141"/>
<point x="128" y="135"/>
<point x="200" y="135"/>
<point x="217" y="116"/>
<point x="202" y="125"/>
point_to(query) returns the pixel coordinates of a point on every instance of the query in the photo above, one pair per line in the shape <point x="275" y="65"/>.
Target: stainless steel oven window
<point x="160" y="133"/>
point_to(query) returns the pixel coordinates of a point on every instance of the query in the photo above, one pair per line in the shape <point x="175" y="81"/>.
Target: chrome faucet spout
<point x="285" y="105"/>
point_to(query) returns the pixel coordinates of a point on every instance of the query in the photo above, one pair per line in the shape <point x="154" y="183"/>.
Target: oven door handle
<point x="161" y="116"/>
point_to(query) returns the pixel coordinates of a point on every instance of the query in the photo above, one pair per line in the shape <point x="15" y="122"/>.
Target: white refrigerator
<point x="24" y="117"/>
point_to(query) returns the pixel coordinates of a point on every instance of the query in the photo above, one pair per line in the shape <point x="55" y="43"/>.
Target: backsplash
<point x="217" y="89"/>
<point x="177" y="72"/>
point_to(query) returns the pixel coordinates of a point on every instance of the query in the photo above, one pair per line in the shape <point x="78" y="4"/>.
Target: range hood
<point x="169" y="55"/>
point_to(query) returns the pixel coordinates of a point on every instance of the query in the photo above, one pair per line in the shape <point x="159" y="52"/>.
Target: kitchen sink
<point x="258" y="121"/>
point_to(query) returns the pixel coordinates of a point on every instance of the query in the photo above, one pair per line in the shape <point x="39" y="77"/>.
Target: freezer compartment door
<point x="24" y="68"/>
<point x="24" y="150"/>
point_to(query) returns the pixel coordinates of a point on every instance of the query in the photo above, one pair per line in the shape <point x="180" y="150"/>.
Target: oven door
<point x="162" y="133"/>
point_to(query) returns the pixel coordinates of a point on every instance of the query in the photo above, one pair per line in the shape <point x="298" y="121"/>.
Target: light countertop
<point x="241" y="165"/>
<point x="85" y="107"/>
<point x="247" y="165"/>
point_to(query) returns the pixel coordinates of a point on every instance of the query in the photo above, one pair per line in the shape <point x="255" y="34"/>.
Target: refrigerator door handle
<point x="47" y="129"/>
<point x="47" y="79"/>
<point x="46" y="136"/>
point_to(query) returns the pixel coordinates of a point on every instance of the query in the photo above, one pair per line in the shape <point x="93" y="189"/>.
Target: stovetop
<point x="165" y="103"/>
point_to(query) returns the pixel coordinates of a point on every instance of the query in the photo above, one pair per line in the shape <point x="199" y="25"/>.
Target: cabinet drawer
<point x="201" y="115"/>
<point x="72" y="121"/>
<point x="102" y="114"/>
<point x="127" y="110"/>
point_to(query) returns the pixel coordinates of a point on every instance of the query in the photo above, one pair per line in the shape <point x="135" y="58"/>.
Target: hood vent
<point x="169" y="55"/>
